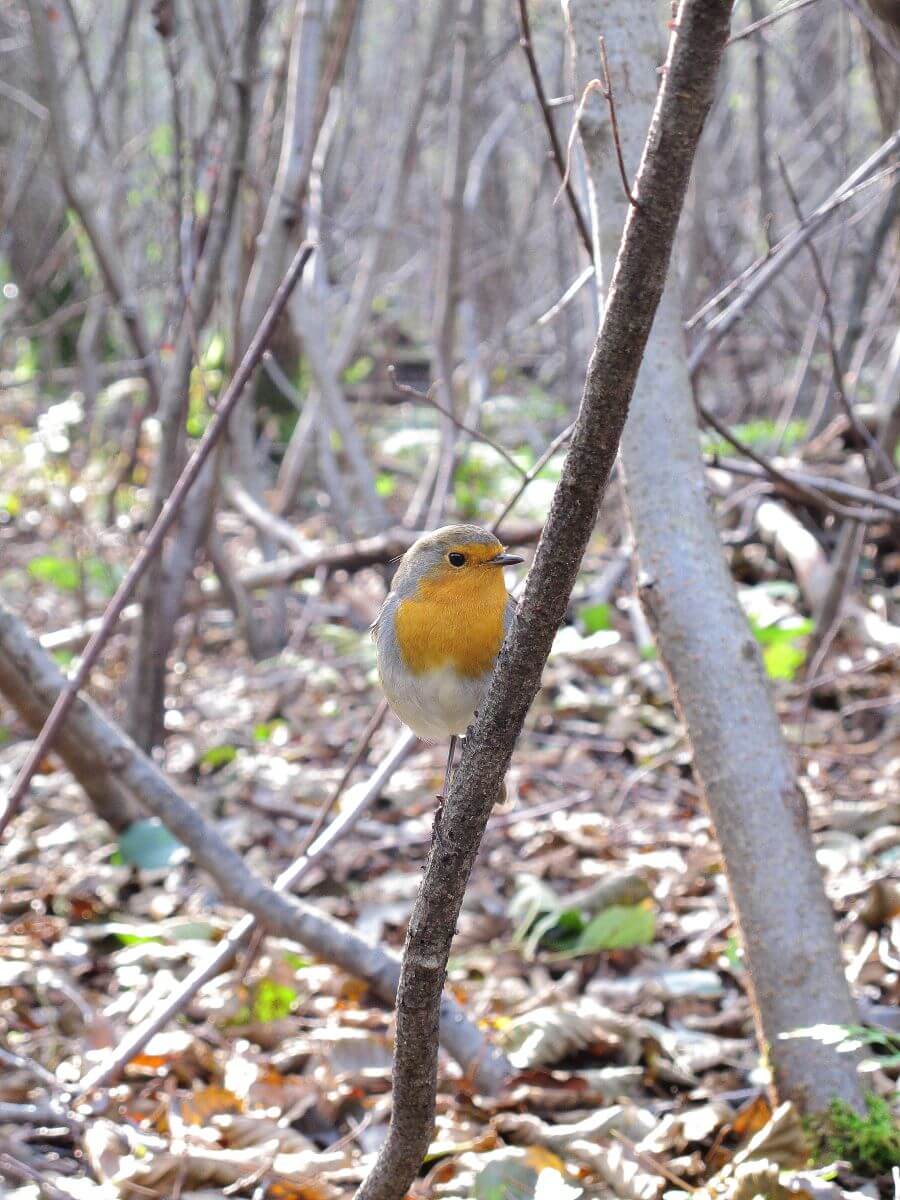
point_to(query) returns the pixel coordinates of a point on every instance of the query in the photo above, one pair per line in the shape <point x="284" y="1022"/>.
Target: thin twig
<point x="809" y="495"/>
<point x="404" y="389"/>
<point x="324" y="813"/>
<point x="875" y="30"/>
<point x="531" y="474"/>
<point x="749" y="271"/>
<point x="821" y="483"/>
<point x="154" y="540"/>
<point x="837" y="368"/>
<point x="855" y="668"/>
<point x="607" y="90"/>
<point x="555" y="148"/>
<point x="134" y="1041"/>
<point x="785" y="251"/>
<point x="651" y="1163"/>
<point x="13" y="1168"/>
<point x="604" y="87"/>
<point x="771" y="17"/>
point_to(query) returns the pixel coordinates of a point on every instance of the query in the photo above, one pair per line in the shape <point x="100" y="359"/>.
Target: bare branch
<point x="768" y="19"/>
<point x="276" y="911"/>
<point x="403" y="389"/>
<point x="555" y="148"/>
<point x="787" y="249"/>
<point x="107" y="260"/>
<point x="154" y="540"/>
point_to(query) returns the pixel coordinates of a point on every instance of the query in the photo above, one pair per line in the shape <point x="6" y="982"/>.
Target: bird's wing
<point x="389" y="601"/>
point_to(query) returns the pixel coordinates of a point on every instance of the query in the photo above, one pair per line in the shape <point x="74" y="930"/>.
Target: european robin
<point x="441" y="628"/>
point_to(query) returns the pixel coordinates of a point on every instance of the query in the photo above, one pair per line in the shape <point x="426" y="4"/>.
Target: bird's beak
<point x="505" y="560"/>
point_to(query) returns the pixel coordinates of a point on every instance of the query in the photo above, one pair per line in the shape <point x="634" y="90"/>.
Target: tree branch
<point x="278" y="913"/>
<point x="555" y="146"/>
<point x="155" y="537"/>
<point x="785" y="251"/>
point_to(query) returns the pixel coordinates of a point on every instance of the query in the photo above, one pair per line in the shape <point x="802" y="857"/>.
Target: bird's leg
<point x="448" y="776"/>
<point x="448" y="773"/>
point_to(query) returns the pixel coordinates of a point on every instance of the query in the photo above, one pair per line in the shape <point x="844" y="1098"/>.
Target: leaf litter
<point x="596" y="944"/>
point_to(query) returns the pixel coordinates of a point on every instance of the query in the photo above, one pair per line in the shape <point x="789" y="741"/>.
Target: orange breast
<point x="454" y="622"/>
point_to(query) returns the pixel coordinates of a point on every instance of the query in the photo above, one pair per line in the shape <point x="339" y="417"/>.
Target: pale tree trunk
<point x="414" y="81"/>
<point x="713" y="661"/>
<point x="163" y="590"/>
<point x="449" y="255"/>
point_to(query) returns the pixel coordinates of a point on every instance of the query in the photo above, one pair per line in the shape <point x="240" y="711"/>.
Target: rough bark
<point x="109" y="799"/>
<point x="739" y="753"/>
<point x="101" y="741"/>
<point x="699" y="37"/>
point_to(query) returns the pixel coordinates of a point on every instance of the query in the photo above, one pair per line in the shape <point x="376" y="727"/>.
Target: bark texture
<point x="715" y="665"/>
<point x="109" y="799"/>
<point x="637" y="285"/>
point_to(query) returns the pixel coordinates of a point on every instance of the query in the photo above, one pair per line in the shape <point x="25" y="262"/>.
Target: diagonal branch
<point x="555" y="145"/>
<point x="785" y="251"/>
<point x="276" y="912"/>
<point x="154" y="540"/>
<point x="637" y="285"/>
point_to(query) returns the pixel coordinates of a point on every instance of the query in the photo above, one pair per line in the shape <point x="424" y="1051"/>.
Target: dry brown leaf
<point x="755" y="1115"/>
<point x="208" y="1102"/>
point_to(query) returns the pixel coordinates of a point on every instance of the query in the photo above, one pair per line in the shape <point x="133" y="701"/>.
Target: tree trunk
<point x="163" y="591"/>
<point x="714" y="663"/>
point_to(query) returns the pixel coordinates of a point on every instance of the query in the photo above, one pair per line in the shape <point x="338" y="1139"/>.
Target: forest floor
<point x="629" y="1022"/>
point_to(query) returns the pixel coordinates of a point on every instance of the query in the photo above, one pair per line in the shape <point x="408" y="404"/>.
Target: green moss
<point x="869" y="1142"/>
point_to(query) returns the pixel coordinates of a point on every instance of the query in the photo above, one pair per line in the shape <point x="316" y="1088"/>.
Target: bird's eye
<point x="456" y="559"/>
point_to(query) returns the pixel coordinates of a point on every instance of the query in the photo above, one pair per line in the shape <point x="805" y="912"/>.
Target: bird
<point x="440" y="630"/>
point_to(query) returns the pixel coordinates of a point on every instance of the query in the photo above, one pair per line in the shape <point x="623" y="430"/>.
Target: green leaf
<point x="149" y="845"/>
<point x="219" y="756"/>
<point x="135" y="939"/>
<point x="783" y="656"/>
<point x="102" y="575"/>
<point x="780" y="632"/>
<point x="619" y="927"/>
<point x="272" y="1001"/>
<point x="213" y="357"/>
<point x="297" y="961"/>
<point x="10" y="504"/>
<point x="360" y="370"/>
<point x="595" y="617"/>
<point x="783" y="660"/>
<point x="511" y="1180"/>
<point x="61" y="573"/>
<point x="385" y="485"/>
<point x="162" y="143"/>
<point x="264" y="730"/>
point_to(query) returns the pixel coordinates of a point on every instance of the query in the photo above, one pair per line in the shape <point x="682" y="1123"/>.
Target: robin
<point x="440" y="630"/>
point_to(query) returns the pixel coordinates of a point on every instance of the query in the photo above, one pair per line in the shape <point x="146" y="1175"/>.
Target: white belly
<point x="436" y="704"/>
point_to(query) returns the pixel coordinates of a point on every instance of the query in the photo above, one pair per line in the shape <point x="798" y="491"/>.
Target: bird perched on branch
<point x="441" y="628"/>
